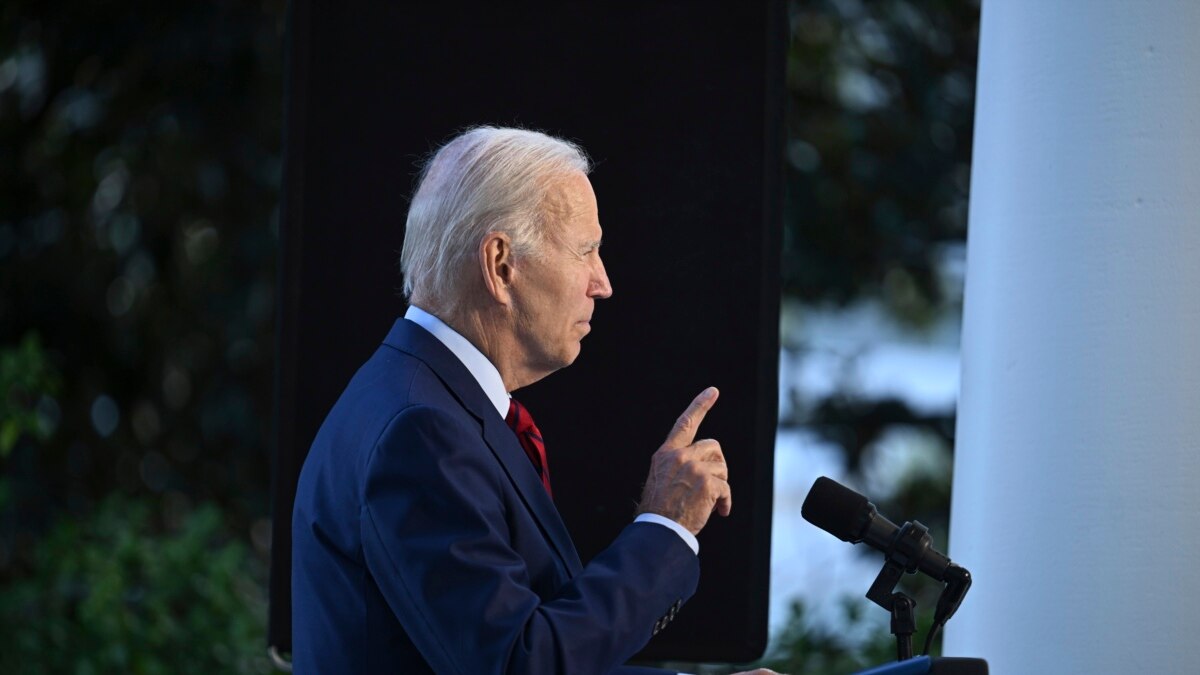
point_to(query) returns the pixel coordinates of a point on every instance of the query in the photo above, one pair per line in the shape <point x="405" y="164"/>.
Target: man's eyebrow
<point x="582" y="249"/>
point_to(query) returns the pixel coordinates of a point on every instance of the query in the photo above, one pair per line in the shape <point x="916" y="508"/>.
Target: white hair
<point x="486" y="179"/>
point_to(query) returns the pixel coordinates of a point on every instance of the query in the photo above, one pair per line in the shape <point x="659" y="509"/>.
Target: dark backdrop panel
<point x="680" y="105"/>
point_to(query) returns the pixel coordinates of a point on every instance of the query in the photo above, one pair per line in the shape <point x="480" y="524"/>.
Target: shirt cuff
<point x="687" y="537"/>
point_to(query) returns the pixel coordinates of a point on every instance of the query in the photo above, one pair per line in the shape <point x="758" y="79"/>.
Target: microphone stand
<point x="904" y="554"/>
<point x="901" y="606"/>
<point x="901" y="558"/>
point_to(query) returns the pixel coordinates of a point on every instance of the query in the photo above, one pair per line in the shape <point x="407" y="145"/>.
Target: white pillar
<point x="1077" y="479"/>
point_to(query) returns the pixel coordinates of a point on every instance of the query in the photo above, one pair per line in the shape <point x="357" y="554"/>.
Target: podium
<point x="920" y="665"/>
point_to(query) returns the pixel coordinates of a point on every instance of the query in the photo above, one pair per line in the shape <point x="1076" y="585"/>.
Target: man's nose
<point x="601" y="287"/>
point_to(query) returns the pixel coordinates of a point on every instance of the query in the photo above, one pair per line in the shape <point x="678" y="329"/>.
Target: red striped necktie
<point x="527" y="432"/>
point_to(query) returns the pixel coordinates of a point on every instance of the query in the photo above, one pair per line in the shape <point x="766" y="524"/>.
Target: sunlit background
<point x="139" y="180"/>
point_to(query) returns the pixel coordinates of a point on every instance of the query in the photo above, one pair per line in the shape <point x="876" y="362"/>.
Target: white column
<point x="1077" y="479"/>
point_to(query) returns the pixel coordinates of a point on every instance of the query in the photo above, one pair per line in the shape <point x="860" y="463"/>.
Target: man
<point x="425" y="535"/>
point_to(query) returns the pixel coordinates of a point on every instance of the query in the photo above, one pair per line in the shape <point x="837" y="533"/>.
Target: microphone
<point x="849" y="516"/>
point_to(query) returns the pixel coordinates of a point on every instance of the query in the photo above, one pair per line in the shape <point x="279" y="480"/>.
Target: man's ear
<point x="496" y="263"/>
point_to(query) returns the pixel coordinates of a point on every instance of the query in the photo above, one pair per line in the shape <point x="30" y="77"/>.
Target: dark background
<point x="688" y="151"/>
<point x="140" y="174"/>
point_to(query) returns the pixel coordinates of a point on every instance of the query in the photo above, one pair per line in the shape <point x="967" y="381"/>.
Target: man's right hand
<point x="688" y="480"/>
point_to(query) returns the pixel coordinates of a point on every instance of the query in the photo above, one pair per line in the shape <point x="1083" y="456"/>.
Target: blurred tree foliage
<point x="811" y="647"/>
<point x="118" y="591"/>
<point x="879" y="127"/>
<point x="27" y="383"/>
<point x="139" y="173"/>
<point x="139" y="176"/>
<point x="880" y="112"/>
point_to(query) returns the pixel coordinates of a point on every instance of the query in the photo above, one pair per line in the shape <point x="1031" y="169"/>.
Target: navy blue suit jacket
<point x="423" y="540"/>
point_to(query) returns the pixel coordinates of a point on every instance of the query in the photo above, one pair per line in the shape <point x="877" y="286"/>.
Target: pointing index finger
<point x="684" y="431"/>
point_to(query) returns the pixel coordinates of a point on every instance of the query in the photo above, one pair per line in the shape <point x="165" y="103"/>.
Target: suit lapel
<point x="412" y="339"/>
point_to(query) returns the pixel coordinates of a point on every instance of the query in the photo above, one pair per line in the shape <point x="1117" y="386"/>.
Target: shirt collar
<point x="480" y="367"/>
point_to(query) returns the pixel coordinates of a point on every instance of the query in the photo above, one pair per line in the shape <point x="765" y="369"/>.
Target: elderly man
<point x="425" y="535"/>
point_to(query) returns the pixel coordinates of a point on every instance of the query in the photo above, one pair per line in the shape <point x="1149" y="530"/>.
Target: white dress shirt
<point x="492" y="384"/>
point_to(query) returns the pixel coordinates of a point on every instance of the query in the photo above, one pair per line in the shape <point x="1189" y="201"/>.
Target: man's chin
<point x="557" y="362"/>
<point x="571" y="354"/>
<point x="569" y="358"/>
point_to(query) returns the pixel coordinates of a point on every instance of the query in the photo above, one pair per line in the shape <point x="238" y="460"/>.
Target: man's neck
<point x="492" y="334"/>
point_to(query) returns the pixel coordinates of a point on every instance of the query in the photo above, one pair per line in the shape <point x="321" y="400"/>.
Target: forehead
<point x="571" y="205"/>
<point x="576" y="195"/>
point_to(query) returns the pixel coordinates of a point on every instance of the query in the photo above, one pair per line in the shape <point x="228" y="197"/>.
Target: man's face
<point x="553" y="297"/>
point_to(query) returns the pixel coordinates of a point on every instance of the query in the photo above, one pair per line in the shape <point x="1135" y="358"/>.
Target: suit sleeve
<point x="437" y="543"/>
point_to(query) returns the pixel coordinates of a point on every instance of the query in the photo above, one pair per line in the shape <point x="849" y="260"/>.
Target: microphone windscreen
<point x="835" y="508"/>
